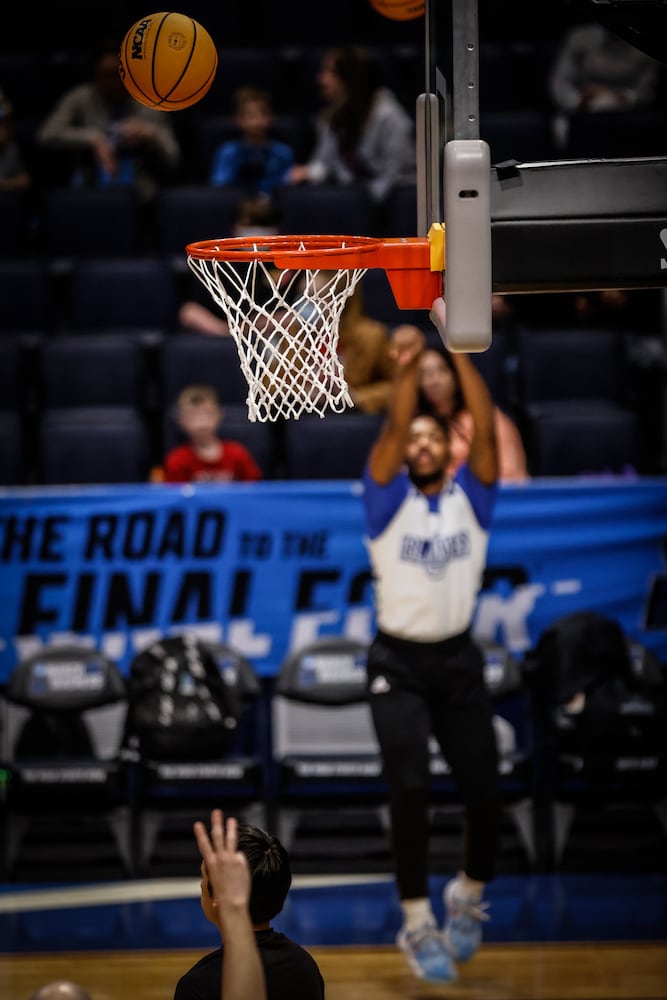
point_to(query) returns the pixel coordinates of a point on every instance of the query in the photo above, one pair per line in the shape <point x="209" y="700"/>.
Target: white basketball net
<point x="285" y="325"/>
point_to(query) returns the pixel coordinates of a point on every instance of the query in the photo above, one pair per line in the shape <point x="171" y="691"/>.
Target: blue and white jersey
<point x="427" y="553"/>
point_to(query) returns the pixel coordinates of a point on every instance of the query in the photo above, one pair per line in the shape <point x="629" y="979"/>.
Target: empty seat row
<point x="69" y="224"/>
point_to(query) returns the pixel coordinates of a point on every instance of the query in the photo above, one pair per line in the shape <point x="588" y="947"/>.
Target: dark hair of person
<point x="270" y="872"/>
<point x="437" y="418"/>
<point x="358" y="71"/>
<point x="423" y="404"/>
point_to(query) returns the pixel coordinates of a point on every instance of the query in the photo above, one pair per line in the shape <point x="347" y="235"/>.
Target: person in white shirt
<point x="364" y="135"/>
<point x="427" y="537"/>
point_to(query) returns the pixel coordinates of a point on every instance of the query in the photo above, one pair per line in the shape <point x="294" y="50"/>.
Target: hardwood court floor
<point x="600" y="971"/>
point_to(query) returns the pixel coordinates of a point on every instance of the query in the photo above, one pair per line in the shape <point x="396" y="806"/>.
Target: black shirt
<point x="290" y="972"/>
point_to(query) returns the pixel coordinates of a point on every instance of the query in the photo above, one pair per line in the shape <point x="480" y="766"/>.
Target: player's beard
<point x="422" y="480"/>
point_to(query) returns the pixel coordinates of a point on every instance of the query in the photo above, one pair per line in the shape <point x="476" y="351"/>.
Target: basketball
<point x="399" y="10"/>
<point x="167" y="61"/>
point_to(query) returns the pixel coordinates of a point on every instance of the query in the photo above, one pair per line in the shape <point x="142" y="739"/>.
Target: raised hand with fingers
<point x="227" y="870"/>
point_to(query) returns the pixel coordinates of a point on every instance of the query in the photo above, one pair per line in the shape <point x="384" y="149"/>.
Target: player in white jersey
<point x="427" y="539"/>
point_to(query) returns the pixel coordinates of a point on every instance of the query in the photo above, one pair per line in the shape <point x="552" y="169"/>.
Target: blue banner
<point x="268" y="567"/>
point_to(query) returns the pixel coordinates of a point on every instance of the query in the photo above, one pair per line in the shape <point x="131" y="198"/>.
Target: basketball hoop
<point x="283" y="297"/>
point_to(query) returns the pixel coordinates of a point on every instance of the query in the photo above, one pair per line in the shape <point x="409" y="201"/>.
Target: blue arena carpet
<point x="333" y="910"/>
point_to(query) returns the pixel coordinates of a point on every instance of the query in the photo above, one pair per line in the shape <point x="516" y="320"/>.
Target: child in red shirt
<point x="207" y="457"/>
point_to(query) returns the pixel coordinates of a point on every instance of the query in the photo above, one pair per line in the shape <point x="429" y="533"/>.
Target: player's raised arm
<point x="388" y="453"/>
<point x="483" y="456"/>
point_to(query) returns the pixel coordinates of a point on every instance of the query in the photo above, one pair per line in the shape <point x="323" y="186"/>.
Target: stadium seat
<point x="200" y="359"/>
<point x="189" y="213"/>
<point x="581" y="437"/>
<point x="12" y="450"/>
<point x="90" y="222"/>
<point x="63" y="713"/>
<point x="617" y="134"/>
<point x="84" y="445"/>
<point x="128" y="292"/>
<point x="25" y="294"/>
<point x="332" y="447"/>
<point x="570" y="363"/>
<point x="323" y="210"/>
<point x="101" y="370"/>
<point x="521" y="135"/>
<point x="326" y="754"/>
<point x="13" y="231"/>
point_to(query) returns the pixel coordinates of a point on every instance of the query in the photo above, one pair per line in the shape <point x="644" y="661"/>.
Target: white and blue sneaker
<point x="462" y="933"/>
<point x="427" y="954"/>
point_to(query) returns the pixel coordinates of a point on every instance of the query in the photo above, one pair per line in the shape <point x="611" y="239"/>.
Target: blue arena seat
<point x="570" y="363"/>
<point x="25" y="293"/>
<point x="61" y="726"/>
<point x="331" y="447"/>
<point x="85" y="445"/>
<point x="189" y="213"/>
<point x="101" y="370"/>
<point x="99" y="222"/>
<point x="324" y="209"/>
<point x="131" y="292"/>
<point x="12" y="450"/>
<point x="200" y="359"/>
<point x="581" y="437"/>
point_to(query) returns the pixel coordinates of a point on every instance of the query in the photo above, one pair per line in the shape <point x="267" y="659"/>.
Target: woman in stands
<point x="440" y="393"/>
<point x="364" y="135"/>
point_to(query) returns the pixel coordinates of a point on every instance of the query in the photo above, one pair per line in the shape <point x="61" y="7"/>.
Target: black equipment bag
<point x="605" y="697"/>
<point x="180" y="707"/>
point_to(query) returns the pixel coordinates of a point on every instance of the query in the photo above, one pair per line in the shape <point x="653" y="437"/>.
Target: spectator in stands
<point x="109" y="137"/>
<point x="256" y="217"/>
<point x="364" y="135"/>
<point x="289" y="970"/>
<point x="440" y="394"/>
<point x="255" y="163"/>
<point x="14" y="174"/>
<point x="228" y="890"/>
<point x="60" y="990"/>
<point x="206" y="457"/>
<point x="596" y="70"/>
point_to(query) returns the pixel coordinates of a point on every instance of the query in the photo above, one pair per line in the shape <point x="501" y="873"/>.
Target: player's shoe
<point x="427" y="954"/>
<point x="462" y="932"/>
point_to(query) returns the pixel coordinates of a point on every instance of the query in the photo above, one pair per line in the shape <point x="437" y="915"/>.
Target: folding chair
<point x="62" y="722"/>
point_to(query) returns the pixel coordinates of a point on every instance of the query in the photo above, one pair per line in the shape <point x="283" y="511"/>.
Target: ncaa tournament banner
<point x="268" y="567"/>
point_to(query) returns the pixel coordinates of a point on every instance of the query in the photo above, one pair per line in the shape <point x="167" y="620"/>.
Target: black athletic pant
<point x="415" y="690"/>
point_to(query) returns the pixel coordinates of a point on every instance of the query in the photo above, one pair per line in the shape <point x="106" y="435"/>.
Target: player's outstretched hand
<point x="407" y="344"/>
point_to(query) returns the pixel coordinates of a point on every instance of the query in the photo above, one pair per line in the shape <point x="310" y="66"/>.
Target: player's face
<point x="428" y="448"/>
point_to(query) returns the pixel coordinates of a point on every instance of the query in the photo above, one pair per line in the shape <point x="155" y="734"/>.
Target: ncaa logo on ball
<point x="176" y="41"/>
<point x="138" y="39"/>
